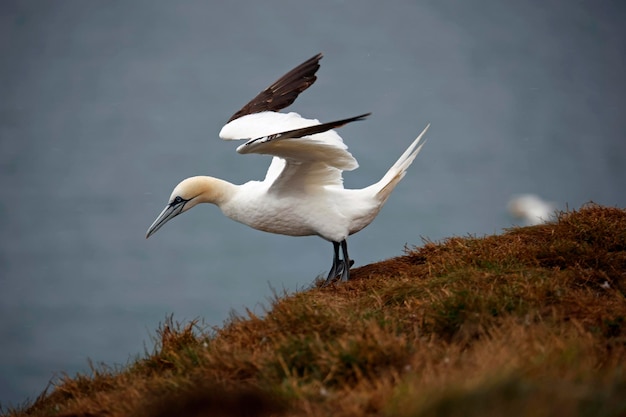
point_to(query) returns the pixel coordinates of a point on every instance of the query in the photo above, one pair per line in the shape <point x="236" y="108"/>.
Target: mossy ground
<point x="527" y="323"/>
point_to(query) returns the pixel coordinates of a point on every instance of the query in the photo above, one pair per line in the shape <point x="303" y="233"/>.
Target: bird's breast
<point x="285" y="216"/>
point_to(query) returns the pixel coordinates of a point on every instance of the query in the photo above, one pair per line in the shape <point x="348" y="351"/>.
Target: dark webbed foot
<point x="345" y="270"/>
<point x="335" y="271"/>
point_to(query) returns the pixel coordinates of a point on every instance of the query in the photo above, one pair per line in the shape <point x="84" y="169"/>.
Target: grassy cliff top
<point x="527" y="323"/>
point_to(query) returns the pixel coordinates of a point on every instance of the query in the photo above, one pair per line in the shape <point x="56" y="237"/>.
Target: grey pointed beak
<point x="168" y="213"/>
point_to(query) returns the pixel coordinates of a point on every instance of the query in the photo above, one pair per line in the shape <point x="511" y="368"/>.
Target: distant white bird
<point x="531" y="208"/>
<point x="302" y="193"/>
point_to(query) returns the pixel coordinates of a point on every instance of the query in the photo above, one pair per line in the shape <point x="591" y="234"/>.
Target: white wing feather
<point x="258" y="125"/>
<point x="322" y="147"/>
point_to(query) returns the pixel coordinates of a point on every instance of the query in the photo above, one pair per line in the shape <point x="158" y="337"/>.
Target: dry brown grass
<point x="528" y="323"/>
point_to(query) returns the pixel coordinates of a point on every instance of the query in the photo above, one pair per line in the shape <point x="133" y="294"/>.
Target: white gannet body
<point x="302" y="193"/>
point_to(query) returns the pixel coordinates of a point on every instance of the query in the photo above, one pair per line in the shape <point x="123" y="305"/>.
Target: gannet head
<point x="187" y="194"/>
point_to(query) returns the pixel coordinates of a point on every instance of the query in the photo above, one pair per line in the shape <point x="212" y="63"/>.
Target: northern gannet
<point x="302" y="193"/>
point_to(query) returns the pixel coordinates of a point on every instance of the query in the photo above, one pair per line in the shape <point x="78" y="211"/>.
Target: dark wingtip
<point x="343" y="122"/>
<point x="284" y="91"/>
<point x="361" y="117"/>
<point x="320" y="128"/>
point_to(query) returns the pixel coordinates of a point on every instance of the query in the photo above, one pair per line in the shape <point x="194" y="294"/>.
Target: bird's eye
<point x="177" y="200"/>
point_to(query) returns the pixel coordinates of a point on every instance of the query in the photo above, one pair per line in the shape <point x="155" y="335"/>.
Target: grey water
<point x="105" y="106"/>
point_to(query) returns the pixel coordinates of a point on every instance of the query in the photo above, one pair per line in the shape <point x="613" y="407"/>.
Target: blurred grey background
<point x="106" y="105"/>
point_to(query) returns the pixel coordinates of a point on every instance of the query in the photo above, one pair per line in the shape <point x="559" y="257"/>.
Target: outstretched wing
<point x="306" y="152"/>
<point x="284" y="91"/>
<point x="257" y="145"/>
<point x="293" y="138"/>
<point x="314" y="155"/>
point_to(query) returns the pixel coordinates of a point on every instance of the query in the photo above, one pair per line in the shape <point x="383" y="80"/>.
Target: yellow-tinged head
<point x="187" y="194"/>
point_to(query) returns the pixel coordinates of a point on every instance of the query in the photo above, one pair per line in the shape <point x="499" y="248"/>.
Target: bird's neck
<point x="214" y="190"/>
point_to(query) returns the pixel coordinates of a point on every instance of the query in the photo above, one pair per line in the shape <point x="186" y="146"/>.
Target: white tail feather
<point x="389" y="181"/>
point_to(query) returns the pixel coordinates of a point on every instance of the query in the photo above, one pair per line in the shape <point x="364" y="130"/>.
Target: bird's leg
<point x="347" y="262"/>
<point x="337" y="267"/>
<point x="341" y="267"/>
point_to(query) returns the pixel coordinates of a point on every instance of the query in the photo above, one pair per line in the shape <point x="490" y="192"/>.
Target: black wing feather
<point x="307" y="131"/>
<point x="312" y="130"/>
<point x="284" y="91"/>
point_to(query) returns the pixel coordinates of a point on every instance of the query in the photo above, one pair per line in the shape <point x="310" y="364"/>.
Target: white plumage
<point x="302" y="193"/>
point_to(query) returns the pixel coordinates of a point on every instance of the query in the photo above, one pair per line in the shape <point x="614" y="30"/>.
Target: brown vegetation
<point x="527" y="323"/>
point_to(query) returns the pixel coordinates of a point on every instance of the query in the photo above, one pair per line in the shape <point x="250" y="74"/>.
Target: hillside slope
<point x="527" y="323"/>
